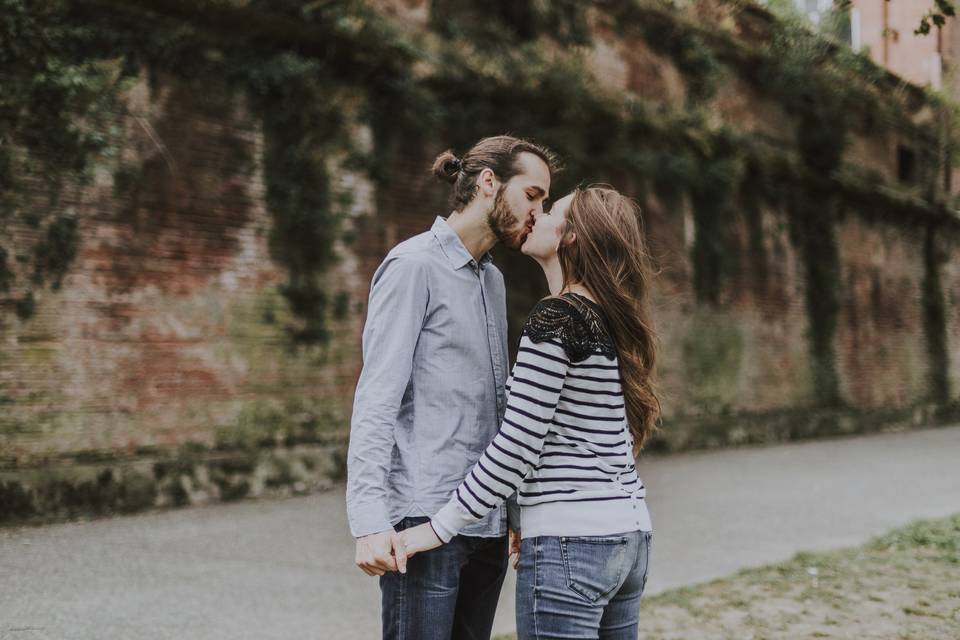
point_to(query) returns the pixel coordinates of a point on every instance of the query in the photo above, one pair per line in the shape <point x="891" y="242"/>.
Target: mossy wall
<point x="198" y="291"/>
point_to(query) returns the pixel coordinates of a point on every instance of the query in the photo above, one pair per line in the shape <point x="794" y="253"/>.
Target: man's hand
<point x="420" y="538"/>
<point x="514" y="547"/>
<point x="381" y="552"/>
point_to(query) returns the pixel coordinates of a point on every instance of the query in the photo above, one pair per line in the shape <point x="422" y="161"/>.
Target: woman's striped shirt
<point x="564" y="445"/>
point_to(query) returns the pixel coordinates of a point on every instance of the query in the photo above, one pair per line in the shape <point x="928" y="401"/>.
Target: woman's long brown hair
<point x="610" y="258"/>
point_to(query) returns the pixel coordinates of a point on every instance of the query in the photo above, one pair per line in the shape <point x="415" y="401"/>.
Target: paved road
<point x="282" y="568"/>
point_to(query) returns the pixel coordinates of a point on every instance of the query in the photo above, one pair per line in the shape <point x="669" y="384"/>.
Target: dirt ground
<point x="905" y="584"/>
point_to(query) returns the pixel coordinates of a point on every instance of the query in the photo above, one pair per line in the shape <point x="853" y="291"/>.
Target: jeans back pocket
<point x="593" y="565"/>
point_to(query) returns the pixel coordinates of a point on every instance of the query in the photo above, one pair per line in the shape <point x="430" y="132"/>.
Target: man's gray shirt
<point x="431" y="392"/>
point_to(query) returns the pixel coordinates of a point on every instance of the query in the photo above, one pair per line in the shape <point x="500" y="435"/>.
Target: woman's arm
<point x="538" y="377"/>
<point x="537" y="380"/>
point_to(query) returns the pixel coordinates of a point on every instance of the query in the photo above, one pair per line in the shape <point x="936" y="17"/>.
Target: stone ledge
<point x="195" y="475"/>
<point x="685" y="434"/>
<point x="190" y="476"/>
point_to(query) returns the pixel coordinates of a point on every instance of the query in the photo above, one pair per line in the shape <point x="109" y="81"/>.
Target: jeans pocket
<point x="646" y="560"/>
<point x="593" y="565"/>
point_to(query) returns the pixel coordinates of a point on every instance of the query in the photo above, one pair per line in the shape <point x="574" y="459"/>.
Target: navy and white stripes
<point x="563" y="447"/>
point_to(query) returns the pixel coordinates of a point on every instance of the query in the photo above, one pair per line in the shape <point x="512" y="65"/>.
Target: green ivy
<point x="56" y="251"/>
<point x="71" y="58"/>
<point x="25" y="306"/>
<point x="498" y="23"/>
<point x="756" y="192"/>
<point x="694" y="59"/>
<point x="713" y="198"/>
<point x="53" y="101"/>
<point x="52" y="97"/>
<point x="812" y="213"/>
<point x="302" y="127"/>
<point x="6" y="274"/>
<point x="312" y="71"/>
<point x="796" y="69"/>
<point x="935" y="318"/>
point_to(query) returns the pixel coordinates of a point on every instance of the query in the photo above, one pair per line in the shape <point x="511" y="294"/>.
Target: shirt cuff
<point x="369" y="522"/>
<point x="449" y="521"/>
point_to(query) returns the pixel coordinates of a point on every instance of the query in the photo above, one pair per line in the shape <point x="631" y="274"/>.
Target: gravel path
<point x="283" y="568"/>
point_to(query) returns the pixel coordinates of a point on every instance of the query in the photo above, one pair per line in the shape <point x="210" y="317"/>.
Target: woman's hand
<point x="420" y="538"/>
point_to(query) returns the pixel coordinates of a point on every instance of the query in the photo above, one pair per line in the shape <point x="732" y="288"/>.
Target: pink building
<point x="885" y="30"/>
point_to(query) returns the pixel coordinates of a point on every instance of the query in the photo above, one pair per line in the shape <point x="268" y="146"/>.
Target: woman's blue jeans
<point x="577" y="587"/>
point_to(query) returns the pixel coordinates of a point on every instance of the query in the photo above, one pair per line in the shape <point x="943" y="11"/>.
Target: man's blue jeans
<point x="576" y="587"/>
<point x="447" y="593"/>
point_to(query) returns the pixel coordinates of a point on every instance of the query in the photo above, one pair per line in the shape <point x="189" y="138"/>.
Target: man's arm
<point x="395" y="315"/>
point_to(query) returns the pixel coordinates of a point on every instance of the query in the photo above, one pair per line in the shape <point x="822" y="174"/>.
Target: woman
<point x="581" y="403"/>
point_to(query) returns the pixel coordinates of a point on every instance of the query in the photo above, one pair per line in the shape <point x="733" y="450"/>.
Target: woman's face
<point x="543" y="240"/>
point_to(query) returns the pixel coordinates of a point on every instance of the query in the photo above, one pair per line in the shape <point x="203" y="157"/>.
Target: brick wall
<point x="168" y="329"/>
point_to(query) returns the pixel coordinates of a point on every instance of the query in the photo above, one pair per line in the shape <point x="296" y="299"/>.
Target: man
<point x="431" y="394"/>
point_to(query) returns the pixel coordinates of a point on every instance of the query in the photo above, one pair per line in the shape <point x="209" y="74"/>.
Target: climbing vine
<point x="819" y="105"/>
<point x="310" y="72"/>
<point x="52" y="104"/>
<point x="52" y="96"/>
<point x="713" y="199"/>
<point x="934" y="318"/>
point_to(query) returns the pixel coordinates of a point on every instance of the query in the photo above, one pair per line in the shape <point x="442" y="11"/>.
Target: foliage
<point x="937" y="15"/>
<point x="70" y="58"/>
<point x="833" y="23"/>
<point x="713" y="198"/>
<point x="820" y="102"/>
<point x="53" y="102"/>
<point x="6" y="274"/>
<point x="52" y="97"/>
<point x="56" y="251"/>
<point x="695" y="60"/>
<point x="836" y="22"/>
<point x="501" y="23"/>
<point x="311" y="72"/>
<point x="934" y="318"/>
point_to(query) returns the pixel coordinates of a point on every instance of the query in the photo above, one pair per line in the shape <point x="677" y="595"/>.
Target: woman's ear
<point x="570" y="238"/>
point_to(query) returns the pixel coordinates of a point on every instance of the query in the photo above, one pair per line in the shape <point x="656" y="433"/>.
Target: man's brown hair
<point x="497" y="153"/>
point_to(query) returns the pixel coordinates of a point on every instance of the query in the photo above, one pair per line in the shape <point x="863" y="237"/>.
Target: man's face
<point x="519" y="201"/>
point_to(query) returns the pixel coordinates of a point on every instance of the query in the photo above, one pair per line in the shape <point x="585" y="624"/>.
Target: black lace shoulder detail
<point x="575" y="322"/>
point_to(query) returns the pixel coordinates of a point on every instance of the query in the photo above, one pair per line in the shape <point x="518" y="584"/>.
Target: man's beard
<point x="503" y="224"/>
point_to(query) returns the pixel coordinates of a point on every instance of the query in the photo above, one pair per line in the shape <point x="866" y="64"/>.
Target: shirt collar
<point x="453" y="247"/>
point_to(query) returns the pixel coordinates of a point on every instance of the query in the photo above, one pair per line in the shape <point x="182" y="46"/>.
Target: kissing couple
<point x="454" y="467"/>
